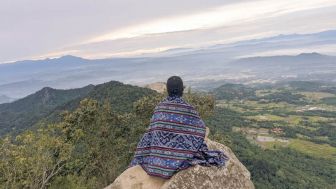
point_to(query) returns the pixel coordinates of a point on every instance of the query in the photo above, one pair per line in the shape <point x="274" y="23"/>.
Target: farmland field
<point x="284" y="126"/>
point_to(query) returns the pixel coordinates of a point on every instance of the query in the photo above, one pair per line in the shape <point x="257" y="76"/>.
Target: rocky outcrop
<point x="234" y="175"/>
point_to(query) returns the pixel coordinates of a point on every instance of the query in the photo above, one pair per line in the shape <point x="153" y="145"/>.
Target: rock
<point x="136" y="178"/>
<point x="234" y="175"/>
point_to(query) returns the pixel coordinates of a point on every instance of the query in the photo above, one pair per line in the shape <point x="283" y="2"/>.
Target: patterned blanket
<point x="174" y="141"/>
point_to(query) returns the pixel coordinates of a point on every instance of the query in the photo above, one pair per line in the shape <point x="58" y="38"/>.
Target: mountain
<point x="306" y="66"/>
<point x="252" y="47"/>
<point x="243" y="61"/>
<point x="5" y="99"/>
<point x="303" y="58"/>
<point x="36" y="66"/>
<point x="198" y="70"/>
<point x="48" y="103"/>
<point x="25" y="112"/>
<point x="120" y="96"/>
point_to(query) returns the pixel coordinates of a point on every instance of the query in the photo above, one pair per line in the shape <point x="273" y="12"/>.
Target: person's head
<point x="175" y="86"/>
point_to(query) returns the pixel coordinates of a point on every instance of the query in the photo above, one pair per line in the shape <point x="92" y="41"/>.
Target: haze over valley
<point x="199" y="67"/>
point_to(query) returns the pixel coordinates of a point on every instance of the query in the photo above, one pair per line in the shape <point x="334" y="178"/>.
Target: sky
<point x="35" y="29"/>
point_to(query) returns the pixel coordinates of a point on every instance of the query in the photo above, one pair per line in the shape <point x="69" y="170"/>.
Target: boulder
<point x="233" y="175"/>
<point x="136" y="178"/>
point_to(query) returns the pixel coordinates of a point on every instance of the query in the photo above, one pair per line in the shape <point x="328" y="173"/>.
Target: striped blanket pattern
<point x="174" y="141"/>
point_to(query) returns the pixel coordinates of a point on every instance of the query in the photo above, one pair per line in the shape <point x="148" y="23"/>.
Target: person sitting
<point x="174" y="140"/>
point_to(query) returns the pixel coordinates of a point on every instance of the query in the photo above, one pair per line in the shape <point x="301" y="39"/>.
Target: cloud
<point x="226" y="15"/>
<point x="329" y="49"/>
<point x="105" y="28"/>
<point x="320" y="19"/>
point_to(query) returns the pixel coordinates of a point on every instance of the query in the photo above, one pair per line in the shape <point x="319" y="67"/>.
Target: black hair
<point x="175" y="86"/>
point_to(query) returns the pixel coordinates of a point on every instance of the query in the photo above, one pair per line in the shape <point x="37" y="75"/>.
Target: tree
<point x="32" y="160"/>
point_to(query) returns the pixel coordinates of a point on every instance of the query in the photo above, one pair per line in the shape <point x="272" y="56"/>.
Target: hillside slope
<point x="48" y="103"/>
<point x="120" y="96"/>
<point x="27" y="111"/>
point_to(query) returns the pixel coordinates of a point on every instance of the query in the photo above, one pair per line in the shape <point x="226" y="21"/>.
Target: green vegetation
<point x="313" y="149"/>
<point x="281" y="168"/>
<point x="25" y="112"/>
<point x="95" y="138"/>
<point x="89" y="148"/>
<point x="233" y="91"/>
<point x="329" y="100"/>
<point x="277" y="166"/>
<point x="317" y="95"/>
<point x="305" y="85"/>
<point x="299" y="127"/>
<point x="283" y="96"/>
<point x="47" y="104"/>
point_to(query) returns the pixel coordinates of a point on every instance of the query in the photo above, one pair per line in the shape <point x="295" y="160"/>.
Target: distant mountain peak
<point x="70" y="57"/>
<point x="46" y="94"/>
<point x="301" y="55"/>
<point x="311" y="54"/>
<point x="47" y="89"/>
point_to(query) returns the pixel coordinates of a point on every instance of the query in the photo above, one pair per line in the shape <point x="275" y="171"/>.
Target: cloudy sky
<point x="33" y="29"/>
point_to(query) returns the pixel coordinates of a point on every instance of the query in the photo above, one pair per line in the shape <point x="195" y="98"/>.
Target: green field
<point x="317" y="95"/>
<point x="310" y="148"/>
<point x="304" y="120"/>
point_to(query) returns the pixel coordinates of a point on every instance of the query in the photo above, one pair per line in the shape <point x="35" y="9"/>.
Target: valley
<point x="271" y="124"/>
<point x="301" y="119"/>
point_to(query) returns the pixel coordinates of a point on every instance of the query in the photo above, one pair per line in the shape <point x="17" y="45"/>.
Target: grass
<point x="317" y="95"/>
<point x="266" y="117"/>
<point x="315" y="119"/>
<point x="273" y="144"/>
<point x="293" y="119"/>
<point x="329" y="100"/>
<point x="232" y="105"/>
<point x="263" y="92"/>
<point x="313" y="149"/>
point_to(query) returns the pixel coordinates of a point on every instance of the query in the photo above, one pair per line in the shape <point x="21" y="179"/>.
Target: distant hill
<point x="48" y="103"/>
<point x="27" y="111"/>
<point x="214" y="63"/>
<point x="306" y="66"/>
<point x="288" y="60"/>
<point x="120" y="96"/>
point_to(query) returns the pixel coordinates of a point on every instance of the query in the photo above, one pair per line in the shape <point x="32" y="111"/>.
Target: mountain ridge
<point x="48" y="103"/>
<point x="210" y="62"/>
